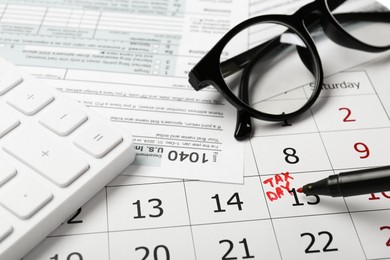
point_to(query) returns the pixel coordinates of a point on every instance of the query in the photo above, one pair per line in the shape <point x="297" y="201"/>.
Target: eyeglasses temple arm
<point x="364" y="16"/>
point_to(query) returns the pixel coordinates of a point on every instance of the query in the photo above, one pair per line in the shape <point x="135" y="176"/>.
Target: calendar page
<point x="265" y="218"/>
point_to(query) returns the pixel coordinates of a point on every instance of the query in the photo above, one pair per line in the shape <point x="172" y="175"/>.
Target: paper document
<point x="130" y="62"/>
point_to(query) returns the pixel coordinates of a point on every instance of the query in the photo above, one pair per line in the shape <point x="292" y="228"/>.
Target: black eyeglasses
<point x="278" y="75"/>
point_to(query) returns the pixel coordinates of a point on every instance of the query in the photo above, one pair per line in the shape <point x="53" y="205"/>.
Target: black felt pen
<point x="351" y="183"/>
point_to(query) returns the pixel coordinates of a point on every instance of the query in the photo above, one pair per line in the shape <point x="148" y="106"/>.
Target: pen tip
<point x="300" y="190"/>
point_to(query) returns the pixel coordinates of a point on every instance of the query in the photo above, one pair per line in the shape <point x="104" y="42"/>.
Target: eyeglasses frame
<point x="208" y="70"/>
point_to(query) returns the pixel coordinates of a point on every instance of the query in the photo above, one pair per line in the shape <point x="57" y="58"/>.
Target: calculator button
<point x="46" y="156"/>
<point x="28" y="99"/>
<point x="62" y="119"/>
<point x="24" y="197"/>
<point x="5" y="229"/>
<point x="98" y="140"/>
<point x="8" y="80"/>
<point x="7" y="171"/>
<point x="8" y="121"/>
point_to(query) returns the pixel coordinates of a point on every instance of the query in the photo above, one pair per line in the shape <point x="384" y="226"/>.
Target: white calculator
<point x="55" y="154"/>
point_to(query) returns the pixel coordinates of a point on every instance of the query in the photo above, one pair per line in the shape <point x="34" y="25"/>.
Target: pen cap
<point x="364" y="181"/>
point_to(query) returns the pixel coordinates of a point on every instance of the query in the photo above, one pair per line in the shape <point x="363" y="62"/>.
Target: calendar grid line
<point x="359" y="67"/>
<point x="350" y="95"/>
<point x="269" y="212"/>
<point x="322" y="131"/>
<point x="189" y="219"/>
<point x="107" y="223"/>
<point x="248" y="175"/>
<point x="149" y="228"/>
<point x="353" y="130"/>
<point x="143" y="184"/>
<point x="376" y="93"/>
<point x="357" y="233"/>
<point x="354" y="226"/>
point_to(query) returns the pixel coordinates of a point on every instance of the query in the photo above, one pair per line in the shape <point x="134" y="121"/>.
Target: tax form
<point x="129" y="61"/>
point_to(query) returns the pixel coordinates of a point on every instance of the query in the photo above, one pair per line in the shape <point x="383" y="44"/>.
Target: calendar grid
<point x="259" y="219"/>
<point x="208" y="224"/>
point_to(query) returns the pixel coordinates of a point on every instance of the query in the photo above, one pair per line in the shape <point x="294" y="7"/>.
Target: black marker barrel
<point x="351" y="183"/>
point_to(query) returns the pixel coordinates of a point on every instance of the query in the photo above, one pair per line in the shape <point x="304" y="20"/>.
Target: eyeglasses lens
<point x="279" y="72"/>
<point x="365" y="28"/>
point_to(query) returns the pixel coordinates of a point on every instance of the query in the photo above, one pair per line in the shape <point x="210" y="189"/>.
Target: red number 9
<point x="363" y="149"/>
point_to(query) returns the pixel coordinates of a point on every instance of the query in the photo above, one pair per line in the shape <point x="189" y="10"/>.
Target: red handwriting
<point x="280" y="185"/>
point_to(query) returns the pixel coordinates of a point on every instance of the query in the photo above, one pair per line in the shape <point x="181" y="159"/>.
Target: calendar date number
<point x="75" y="218"/>
<point x="314" y="199"/>
<point x="233" y="201"/>
<point x="326" y="248"/>
<point x="160" y="250"/>
<point x="155" y="211"/>
<point x="227" y="255"/>
<point x="386" y="228"/>
<point x="378" y="197"/>
<point x="347" y="118"/>
<point x="71" y="256"/>
<point x="363" y="149"/>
